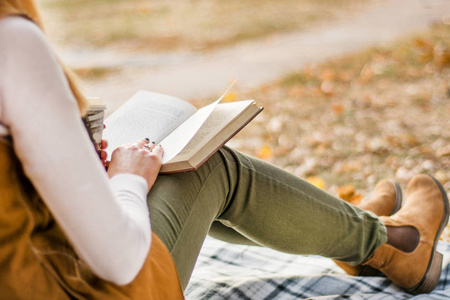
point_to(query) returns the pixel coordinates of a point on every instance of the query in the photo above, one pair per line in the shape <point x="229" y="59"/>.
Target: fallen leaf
<point x="350" y="166"/>
<point x="346" y="192"/>
<point x="366" y="73"/>
<point x="265" y="152"/>
<point x="441" y="55"/>
<point x="328" y="75"/>
<point x="230" y="97"/>
<point x="444" y="151"/>
<point x="309" y="71"/>
<point x="327" y="87"/>
<point x="409" y="140"/>
<point x="442" y="176"/>
<point x="377" y="145"/>
<point x="356" y="199"/>
<point x="425" y="48"/>
<point x="345" y="76"/>
<point x="317" y="181"/>
<point x="338" y="109"/>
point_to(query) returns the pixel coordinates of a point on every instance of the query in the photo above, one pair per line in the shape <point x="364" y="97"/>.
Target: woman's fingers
<point x="103" y="154"/>
<point x="158" y="150"/>
<point x="141" y="143"/>
<point x="104" y="144"/>
<point x="142" y="158"/>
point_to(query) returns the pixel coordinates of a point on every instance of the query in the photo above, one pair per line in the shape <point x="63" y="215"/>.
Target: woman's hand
<point x="102" y="153"/>
<point x="141" y="158"/>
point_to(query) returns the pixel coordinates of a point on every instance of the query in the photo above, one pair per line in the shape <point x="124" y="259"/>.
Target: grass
<point x="182" y="25"/>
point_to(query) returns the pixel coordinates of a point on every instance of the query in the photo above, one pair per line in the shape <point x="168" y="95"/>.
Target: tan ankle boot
<point x="426" y="210"/>
<point x="386" y="201"/>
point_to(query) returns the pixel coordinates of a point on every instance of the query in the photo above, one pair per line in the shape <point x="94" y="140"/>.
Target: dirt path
<point x="254" y="63"/>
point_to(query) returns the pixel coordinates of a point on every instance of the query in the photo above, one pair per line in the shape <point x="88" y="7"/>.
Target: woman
<point x="71" y="230"/>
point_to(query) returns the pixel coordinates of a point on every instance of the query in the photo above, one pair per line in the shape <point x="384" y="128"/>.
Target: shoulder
<point x="18" y="32"/>
<point x="17" y="25"/>
<point x="24" y="46"/>
<point x="26" y="60"/>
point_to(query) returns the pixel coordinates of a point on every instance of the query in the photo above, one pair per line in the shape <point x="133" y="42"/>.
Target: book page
<point x="146" y="114"/>
<point x="180" y="137"/>
<point x="222" y="115"/>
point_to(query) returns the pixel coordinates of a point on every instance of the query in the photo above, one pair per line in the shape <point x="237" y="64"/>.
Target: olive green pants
<point x="240" y="199"/>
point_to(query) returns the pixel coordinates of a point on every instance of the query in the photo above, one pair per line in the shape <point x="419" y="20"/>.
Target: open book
<point x="188" y="136"/>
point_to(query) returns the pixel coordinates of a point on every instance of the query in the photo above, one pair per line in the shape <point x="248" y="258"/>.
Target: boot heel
<point x="431" y="278"/>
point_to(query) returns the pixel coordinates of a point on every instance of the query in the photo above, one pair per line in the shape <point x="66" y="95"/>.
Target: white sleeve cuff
<point x="130" y="182"/>
<point x="131" y="191"/>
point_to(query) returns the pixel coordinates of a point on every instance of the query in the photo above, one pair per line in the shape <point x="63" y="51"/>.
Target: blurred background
<point x="354" y="90"/>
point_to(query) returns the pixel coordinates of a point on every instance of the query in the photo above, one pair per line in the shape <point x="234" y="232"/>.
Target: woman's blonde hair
<point x="29" y="9"/>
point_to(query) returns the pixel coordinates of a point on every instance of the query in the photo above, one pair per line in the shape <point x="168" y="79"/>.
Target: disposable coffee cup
<point x="93" y="120"/>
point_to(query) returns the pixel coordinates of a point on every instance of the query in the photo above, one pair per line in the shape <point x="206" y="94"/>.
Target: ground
<point x="343" y="124"/>
<point x="347" y="123"/>
<point x="199" y="25"/>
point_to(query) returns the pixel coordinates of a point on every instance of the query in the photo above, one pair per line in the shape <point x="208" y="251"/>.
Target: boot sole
<point x="368" y="270"/>
<point x="433" y="273"/>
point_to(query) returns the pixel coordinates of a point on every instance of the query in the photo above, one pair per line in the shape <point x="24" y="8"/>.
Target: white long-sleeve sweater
<point x="106" y="220"/>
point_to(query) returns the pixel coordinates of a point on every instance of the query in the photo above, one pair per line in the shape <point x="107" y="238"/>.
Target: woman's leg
<point x="228" y="234"/>
<point x="263" y="203"/>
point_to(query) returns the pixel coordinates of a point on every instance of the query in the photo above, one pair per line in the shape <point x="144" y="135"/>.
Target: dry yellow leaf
<point x="338" y="108"/>
<point x="444" y="151"/>
<point x="328" y="75"/>
<point x="345" y="76"/>
<point x="356" y="199"/>
<point x="327" y="87"/>
<point x="309" y="72"/>
<point x="265" y="152"/>
<point x="230" y="97"/>
<point x="409" y="139"/>
<point x="425" y="48"/>
<point x="348" y="193"/>
<point x="366" y="73"/>
<point x="350" y="166"/>
<point x="393" y="140"/>
<point x="317" y="181"/>
<point x="441" y="54"/>
<point x="442" y="176"/>
<point x="422" y="43"/>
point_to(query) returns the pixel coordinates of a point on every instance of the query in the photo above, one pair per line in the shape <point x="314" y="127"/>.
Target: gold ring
<point x="148" y="148"/>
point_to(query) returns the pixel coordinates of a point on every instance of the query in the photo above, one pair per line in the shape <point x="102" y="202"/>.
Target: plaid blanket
<point x="226" y="271"/>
